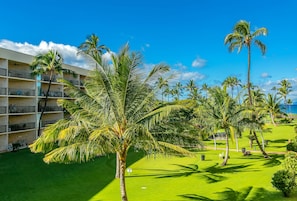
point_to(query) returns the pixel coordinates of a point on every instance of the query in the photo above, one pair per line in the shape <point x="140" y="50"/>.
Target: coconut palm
<point x="231" y="82"/>
<point x="284" y="90"/>
<point x="50" y="64"/>
<point x="116" y="111"/>
<point x="243" y="36"/>
<point x="222" y="112"/>
<point x="162" y="84"/>
<point x="92" y="48"/>
<point x="272" y="106"/>
<point x="255" y="117"/>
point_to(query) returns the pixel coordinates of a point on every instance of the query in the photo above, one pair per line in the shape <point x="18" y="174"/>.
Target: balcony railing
<point x="2" y="91"/>
<point x="47" y="78"/>
<point x="2" y="128"/>
<point x="51" y="93"/>
<point x="21" y="109"/>
<point x="74" y="82"/>
<point x="45" y="123"/>
<point x="21" y="92"/>
<point x="2" y="109"/>
<point x="2" y="71"/>
<point x="21" y="126"/>
<point x="50" y="108"/>
<point x="20" y="74"/>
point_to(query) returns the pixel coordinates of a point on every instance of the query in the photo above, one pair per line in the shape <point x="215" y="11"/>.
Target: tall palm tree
<point x="272" y="106"/>
<point x="49" y="63"/>
<point x="243" y="36"/>
<point x="284" y="90"/>
<point x="92" y="48"/>
<point x="231" y="82"/>
<point x="116" y="111"/>
<point x="162" y="84"/>
<point x="178" y="90"/>
<point x="221" y="112"/>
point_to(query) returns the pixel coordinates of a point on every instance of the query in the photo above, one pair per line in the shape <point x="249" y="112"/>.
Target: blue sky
<point x="188" y="35"/>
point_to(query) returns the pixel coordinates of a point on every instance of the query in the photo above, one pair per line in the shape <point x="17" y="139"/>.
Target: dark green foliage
<point x="292" y="146"/>
<point x="284" y="181"/>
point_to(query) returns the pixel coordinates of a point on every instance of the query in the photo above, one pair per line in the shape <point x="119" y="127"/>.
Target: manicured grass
<point x="24" y="176"/>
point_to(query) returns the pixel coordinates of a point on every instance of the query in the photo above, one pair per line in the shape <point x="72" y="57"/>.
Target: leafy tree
<point x="242" y="36"/>
<point x="115" y="111"/>
<point x="49" y="63"/>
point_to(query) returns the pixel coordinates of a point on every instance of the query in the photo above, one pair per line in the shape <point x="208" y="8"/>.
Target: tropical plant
<point x="243" y="36"/>
<point x="50" y="64"/>
<point x="114" y="112"/>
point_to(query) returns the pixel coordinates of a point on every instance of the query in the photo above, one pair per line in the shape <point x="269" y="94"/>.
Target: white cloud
<point x="198" y="62"/>
<point x="265" y="75"/>
<point x="180" y="66"/>
<point x="68" y="52"/>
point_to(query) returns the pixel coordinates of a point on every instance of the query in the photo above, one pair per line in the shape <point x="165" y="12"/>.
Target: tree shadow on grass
<point x="274" y="160"/>
<point x="279" y="141"/>
<point x="245" y="194"/>
<point x="211" y="174"/>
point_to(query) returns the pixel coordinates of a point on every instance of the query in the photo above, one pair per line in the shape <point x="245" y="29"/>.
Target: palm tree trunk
<point x="272" y="119"/>
<point x="249" y="75"/>
<point x="214" y="141"/>
<point x="45" y="104"/>
<point x="123" y="157"/>
<point x="118" y="167"/>
<point x="259" y="145"/>
<point x="227" y="151"/>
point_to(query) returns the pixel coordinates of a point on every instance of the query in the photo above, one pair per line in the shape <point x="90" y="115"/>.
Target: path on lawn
<point x="235" y="150"/>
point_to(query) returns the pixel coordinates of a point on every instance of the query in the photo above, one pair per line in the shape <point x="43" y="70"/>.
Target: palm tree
<point x="92" y="48"/>
<point x="231" y="82"/>
<point x="254" y="116"/>
<point x="162" y="83"/>
<point x="178" y="90"/>
<point x="284" y="90"/>
<point x="116" y="111"/>
<point x="49" y="63"/>
<point x="221" y="112"/>
<point x="272" y="106"/>
<point x="242" y="36"/>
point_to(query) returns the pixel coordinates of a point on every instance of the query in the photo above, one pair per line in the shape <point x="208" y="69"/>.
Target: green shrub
<point x="284" y="181"/>
<point x="290" y="162"/>
<point x="292" y="146"/>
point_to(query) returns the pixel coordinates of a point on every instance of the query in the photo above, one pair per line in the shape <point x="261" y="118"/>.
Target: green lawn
<point x="24" y="176"/>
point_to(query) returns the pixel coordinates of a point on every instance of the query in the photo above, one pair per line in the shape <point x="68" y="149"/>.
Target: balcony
<point x="20" y="74"/>
<point x="47" y="78"/>
<point x="51" y="93"/>
<point x="21" y="109"/>
<point x="21" y="126"/>
<point x="2" y="91"/>
<point x="21" y="92"/>
<point x="74" y="82"/>
<point x="2" y="128"/>
<point x="50" y="108"/>
<point x="2" y="109"/>
<point x="2" y="72"/>
<point x="45" y="123"/>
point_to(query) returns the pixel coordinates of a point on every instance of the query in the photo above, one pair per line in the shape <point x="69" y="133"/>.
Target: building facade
<point x="22" y="98"/>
